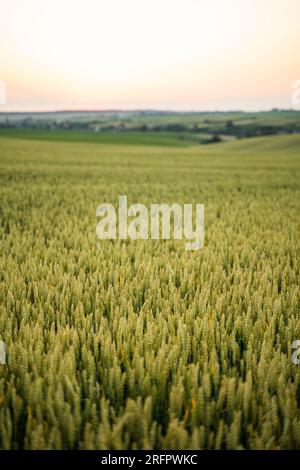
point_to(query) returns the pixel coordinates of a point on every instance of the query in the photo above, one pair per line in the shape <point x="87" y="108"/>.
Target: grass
<point x="141" y="344"/>
<point x="168" y="139"/>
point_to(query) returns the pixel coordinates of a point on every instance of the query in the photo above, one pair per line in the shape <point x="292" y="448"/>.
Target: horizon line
<point x="150" y="110"/>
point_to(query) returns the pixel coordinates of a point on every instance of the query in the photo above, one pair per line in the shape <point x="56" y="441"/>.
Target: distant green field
<point x="141" y="344"/>
<point x="146" y="127"/>
<point x="120" y="138"/>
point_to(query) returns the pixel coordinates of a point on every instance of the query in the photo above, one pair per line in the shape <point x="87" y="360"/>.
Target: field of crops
<point x="142" y="344"/>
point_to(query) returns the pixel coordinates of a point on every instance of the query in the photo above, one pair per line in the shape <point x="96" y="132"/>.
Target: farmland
<point x="141" y="344"/>
<point x="149" y="126"/>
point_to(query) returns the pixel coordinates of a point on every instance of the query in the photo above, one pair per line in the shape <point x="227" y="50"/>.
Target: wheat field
<point x="142" y="344"/>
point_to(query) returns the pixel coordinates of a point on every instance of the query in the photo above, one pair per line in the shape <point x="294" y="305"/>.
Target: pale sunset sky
<point x="159" y="54"/>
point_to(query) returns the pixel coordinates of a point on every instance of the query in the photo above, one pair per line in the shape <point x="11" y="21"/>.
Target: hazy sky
<point x="168" y="54"/>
